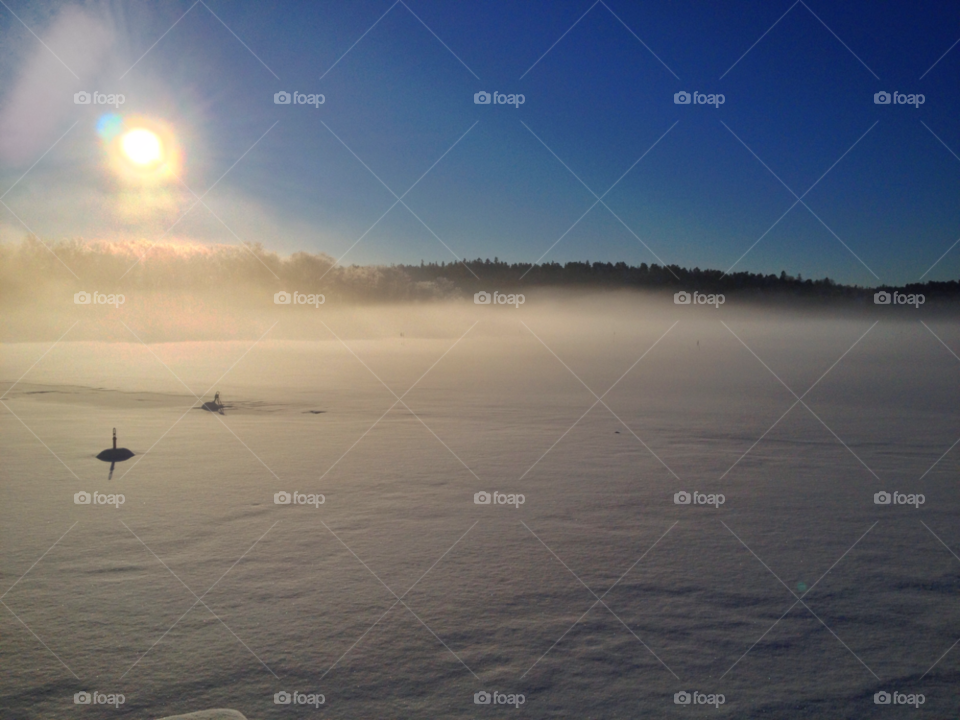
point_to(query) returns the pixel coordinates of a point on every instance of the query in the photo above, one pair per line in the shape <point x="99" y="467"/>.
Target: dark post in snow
<point x="115" y="454"/>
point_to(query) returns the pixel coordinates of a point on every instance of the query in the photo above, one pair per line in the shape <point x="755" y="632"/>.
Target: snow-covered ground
<point x="400" y="596"/>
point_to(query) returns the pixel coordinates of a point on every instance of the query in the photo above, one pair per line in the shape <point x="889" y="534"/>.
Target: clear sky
<point x="695" y="185"/>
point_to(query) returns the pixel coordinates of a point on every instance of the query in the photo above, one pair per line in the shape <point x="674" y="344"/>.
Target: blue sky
<point x="705" y="184"/>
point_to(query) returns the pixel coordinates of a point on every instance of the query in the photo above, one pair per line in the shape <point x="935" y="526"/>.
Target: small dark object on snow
<point x="115" y="454"/>
<point x="215" y="405"/>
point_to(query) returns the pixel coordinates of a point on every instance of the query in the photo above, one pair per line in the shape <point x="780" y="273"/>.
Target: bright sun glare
<point x="142" y="146"/>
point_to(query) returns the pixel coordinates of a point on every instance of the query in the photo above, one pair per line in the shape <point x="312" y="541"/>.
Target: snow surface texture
<point x="399" y="596"/>
<point x="218" y="714"/>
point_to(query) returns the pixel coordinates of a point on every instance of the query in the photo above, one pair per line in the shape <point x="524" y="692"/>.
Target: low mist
<point x="130" y="291"/>
<point x="180" y="292"/>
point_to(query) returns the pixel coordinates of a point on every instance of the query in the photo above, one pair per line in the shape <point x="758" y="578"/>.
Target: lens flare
<point x="109" y="126"/>
<point x="142" y="146"/>
<point x="143" y="163"/>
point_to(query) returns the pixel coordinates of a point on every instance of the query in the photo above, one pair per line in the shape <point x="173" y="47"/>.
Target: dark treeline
<point x="32" y="270"/>
<point x="479" y="274"/>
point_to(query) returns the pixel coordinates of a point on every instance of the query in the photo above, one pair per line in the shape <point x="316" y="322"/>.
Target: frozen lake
<point x="400" y="596"/>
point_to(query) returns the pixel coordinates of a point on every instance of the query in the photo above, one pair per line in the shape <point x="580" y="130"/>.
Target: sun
<point x="142" y="147"/>
<point x="140" y="151"/>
